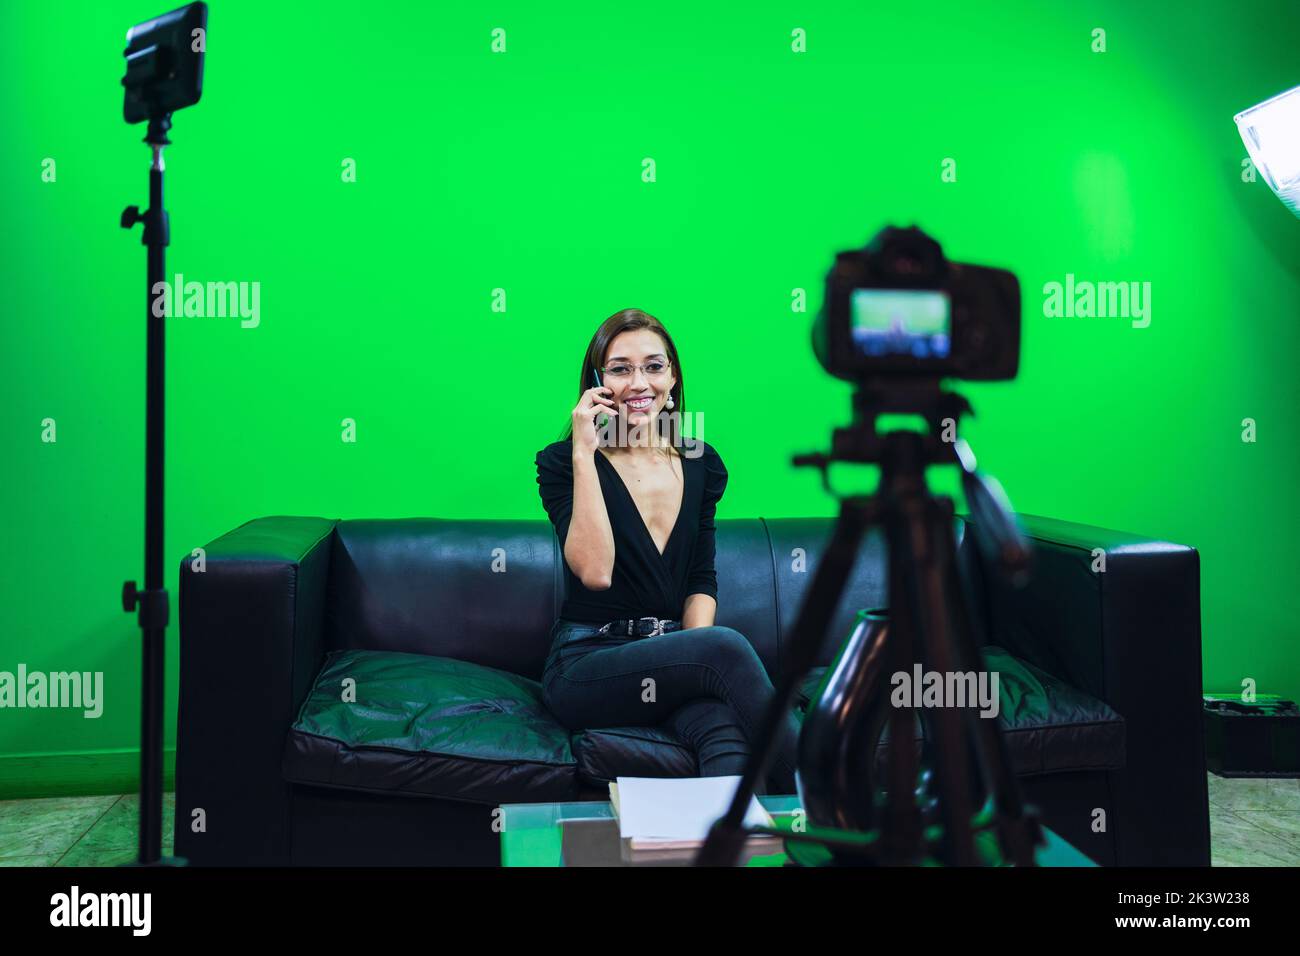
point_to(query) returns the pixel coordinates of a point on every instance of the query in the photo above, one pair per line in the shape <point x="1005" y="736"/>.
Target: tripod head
<point x="862" y="441"/>
<point x="1001" y="544"/>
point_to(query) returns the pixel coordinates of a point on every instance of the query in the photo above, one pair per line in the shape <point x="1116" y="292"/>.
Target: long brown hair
<point x="622" y="321"/>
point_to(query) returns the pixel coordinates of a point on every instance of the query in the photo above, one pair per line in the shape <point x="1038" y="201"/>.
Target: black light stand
<point x="164" y="73"/>
<point x="929" y="622"/>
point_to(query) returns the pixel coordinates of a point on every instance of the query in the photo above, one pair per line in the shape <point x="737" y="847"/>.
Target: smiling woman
<point x="635" y="522"/>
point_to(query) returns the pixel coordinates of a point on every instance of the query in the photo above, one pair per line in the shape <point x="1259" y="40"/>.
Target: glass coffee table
<point x="532" y="833"/>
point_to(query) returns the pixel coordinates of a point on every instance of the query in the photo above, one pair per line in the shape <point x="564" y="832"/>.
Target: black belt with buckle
<point x="641" y="627"/>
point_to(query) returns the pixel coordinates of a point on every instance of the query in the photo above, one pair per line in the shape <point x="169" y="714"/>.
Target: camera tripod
<point x="929" y="621"/>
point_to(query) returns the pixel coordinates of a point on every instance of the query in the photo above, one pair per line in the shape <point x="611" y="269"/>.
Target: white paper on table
<point x="679" y="808"/>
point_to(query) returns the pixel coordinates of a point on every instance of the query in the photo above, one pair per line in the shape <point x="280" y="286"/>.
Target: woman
<point x="635" y="519"/>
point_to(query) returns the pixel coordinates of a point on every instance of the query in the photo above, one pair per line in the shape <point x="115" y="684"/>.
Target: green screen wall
<point x="479" y="169"/>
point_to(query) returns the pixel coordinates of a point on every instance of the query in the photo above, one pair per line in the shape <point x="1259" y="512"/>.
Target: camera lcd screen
<point x="902" y="322"/>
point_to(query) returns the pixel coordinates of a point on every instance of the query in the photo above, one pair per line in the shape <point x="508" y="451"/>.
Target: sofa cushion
<point x="1051" y="726"/>
<point x="429" y="727"/>
<point x="1048" y="726"/>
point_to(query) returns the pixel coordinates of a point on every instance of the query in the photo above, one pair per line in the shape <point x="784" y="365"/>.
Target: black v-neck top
<point x="644" y="582"/>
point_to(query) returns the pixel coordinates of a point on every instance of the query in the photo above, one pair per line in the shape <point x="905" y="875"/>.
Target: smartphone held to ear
<point x="600" y="422"/>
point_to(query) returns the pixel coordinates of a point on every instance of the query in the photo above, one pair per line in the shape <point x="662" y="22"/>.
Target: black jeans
<point x="707" y="685"/>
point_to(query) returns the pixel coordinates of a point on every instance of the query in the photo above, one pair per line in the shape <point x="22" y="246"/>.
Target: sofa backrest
<point x="488" y="591"/>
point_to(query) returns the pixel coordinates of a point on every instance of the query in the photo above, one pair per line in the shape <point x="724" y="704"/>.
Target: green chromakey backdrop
<point x="437" y="204"/>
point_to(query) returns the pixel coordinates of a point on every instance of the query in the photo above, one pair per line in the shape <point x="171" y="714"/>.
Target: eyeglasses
<point x="623" y="370"/>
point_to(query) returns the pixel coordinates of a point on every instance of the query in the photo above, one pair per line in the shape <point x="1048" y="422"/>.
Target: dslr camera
<point x="899" y="309"/>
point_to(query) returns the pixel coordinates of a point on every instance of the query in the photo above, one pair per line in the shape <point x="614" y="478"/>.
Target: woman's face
<point x="641" y="392"/>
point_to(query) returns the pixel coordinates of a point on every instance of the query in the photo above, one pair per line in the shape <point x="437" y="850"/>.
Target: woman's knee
<point x="726" y="647"/>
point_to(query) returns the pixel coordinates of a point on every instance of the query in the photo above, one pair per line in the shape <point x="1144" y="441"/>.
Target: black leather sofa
<point x="365" y="691"/>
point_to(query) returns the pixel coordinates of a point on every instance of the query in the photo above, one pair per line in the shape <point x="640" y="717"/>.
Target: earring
<point x="669" y="403"/>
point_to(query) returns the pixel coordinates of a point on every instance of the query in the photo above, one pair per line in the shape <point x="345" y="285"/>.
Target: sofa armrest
<point x="251" y="643"/>
<point x="1131" y="636"/>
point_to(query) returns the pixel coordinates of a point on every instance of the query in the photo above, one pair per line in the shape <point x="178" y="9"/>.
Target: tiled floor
<point x="1252" y="823"/>
<point x="76" y="831"/>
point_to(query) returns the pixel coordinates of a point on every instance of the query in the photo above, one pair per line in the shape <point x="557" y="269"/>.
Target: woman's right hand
<point x="594" y="401"/>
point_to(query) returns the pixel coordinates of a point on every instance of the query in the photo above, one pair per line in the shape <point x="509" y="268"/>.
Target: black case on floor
<point x="1257" y="739"/>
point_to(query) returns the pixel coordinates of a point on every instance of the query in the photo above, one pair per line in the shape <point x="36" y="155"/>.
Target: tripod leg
<point x="1018" y="830"/>
<point x="917" y="515"/>
<point x="901" y="837"/>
